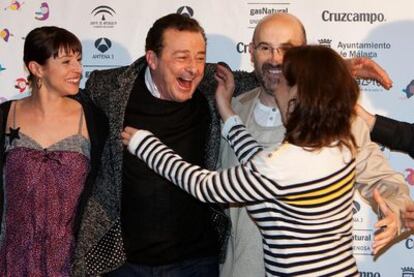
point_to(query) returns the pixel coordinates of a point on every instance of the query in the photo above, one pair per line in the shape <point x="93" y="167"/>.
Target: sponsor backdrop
<point x="113" y="34"/>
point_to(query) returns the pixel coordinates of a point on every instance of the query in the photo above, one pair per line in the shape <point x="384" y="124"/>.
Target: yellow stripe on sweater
<point x="329" y="196"/>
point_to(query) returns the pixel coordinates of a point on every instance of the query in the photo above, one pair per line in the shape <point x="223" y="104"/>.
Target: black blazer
<point x="396" y="135"/>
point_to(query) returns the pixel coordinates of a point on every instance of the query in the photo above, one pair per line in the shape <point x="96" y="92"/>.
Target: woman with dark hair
<point x="50" y="150"/>
<point x="301" y="193"/>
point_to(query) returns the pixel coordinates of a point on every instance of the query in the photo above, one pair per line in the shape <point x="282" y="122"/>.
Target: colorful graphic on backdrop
<point x="21" y="84"/>
<point x="14" y="6"/>
<point x="409" y="90"/>
<point x="410" y="176"/>
<point x="43" y="14"/>
<point x="5" y="34"/>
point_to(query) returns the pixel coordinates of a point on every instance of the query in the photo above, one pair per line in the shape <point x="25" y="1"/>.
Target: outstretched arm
<point x="397" y="135"/>
<point x="373" y="171"/>
<point x="366" y="68"/>
<point x="241" y="184"/>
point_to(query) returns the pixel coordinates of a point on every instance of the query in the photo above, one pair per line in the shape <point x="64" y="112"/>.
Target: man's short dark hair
<point x="155" y="35"/>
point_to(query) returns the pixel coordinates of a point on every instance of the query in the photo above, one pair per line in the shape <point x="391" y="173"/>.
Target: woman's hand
<point x="387" y="226"/>
<point x="127" y="134"/>
<point x="224" y="91"/>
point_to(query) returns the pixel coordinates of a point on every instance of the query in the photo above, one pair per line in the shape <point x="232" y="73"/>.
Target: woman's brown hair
<point x="326" y="96"/>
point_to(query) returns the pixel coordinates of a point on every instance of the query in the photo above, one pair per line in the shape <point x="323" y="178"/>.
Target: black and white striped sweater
<point x="300" y="199"/>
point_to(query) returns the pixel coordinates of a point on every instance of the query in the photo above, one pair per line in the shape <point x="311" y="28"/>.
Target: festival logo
<point x="410" y="176"/>
<point x="186" y="10"/>
<point x="409" y="90"/>
<point x="5" y="34"/>
<point x="43" y="13"/>
<point x="21" y="84"/>
<point x="103" y="17"/>
<point x="14" y="6"/>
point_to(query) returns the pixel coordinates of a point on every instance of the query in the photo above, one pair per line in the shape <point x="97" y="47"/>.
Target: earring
<point x="39" y="83"/>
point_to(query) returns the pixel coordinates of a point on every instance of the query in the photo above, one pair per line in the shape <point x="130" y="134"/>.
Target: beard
<point x="268" y="76"/>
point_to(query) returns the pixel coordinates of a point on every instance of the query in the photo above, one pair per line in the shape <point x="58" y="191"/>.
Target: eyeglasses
<point x="267" y="50"/>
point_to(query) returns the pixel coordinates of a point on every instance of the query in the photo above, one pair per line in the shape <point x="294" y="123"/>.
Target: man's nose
<point x="192" y="66"/>
<point x="276" y="56"/>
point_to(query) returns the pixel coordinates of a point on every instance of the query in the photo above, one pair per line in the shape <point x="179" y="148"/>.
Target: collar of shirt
<point x="267" y="116"/>
<point x="150" y="84"/>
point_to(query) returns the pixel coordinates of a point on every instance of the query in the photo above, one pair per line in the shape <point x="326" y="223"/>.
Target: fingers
<point x="126" y="135"/>
<point x="386" y="226"/>
<point x="223" y="72"/>
<point x="408" y="216"/>
<point x="368" y="69"/>
<point x="387" y="230"/>
<point x="383" y="208"/>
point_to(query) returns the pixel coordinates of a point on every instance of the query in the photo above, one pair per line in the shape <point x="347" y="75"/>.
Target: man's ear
<point x="36" y="69"/>
<point x="251" y="51"/>
<point x="152" y="59"/>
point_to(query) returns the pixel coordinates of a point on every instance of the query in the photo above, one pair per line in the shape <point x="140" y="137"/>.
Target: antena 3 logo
<point x="371" y="18"/>
<point x="103" y="17"/>
<point x="186" y="11"/>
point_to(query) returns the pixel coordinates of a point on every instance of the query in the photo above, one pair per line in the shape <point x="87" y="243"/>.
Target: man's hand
<point x="386" y="226"/>
<point x="366" y="68"/>
<point x="127" y="134"/>
<point x="408" y="216"/>
<point x="225" y="90"/>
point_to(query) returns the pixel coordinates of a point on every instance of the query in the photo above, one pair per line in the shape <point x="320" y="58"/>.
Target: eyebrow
<point x="187" y="52"/>
<point x="284" y="44"/>
<point x="77" y="55"/>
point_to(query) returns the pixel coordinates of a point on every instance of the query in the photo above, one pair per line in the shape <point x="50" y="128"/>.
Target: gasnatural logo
<point x="103" y="17"/>
<point x="267" y="10"/>
<point x="371" y="18"/>
<point x="186" y="10"/>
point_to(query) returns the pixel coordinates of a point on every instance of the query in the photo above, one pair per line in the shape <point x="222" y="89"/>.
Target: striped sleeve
<point x="240" y="184"/>
<point x="243" y="144"/>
